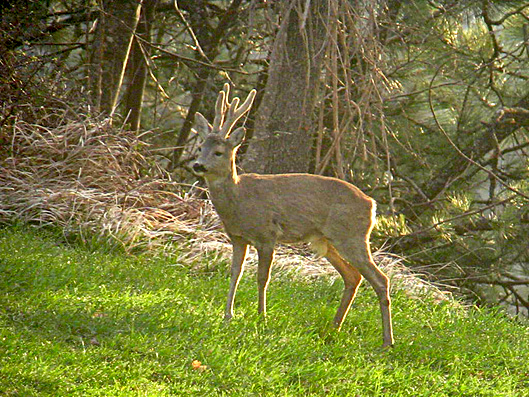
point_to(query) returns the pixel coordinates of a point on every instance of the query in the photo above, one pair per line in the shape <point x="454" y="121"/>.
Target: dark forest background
<point x="422" y="104"/>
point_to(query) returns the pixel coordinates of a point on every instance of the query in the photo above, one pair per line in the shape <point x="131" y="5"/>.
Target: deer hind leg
<point x="266" y="255"/>
<point x="352" y="279"/>
<point x="240" y="248"/>
<point x="357" y="252"/>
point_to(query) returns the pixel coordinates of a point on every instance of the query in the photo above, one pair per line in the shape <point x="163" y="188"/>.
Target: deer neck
<point x="224" y="192"/>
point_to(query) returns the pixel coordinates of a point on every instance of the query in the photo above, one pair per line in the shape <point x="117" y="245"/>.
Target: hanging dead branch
<point x="354" y="86"/>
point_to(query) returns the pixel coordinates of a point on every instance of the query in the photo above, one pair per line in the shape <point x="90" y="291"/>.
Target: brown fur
<point x="263" y="210"/>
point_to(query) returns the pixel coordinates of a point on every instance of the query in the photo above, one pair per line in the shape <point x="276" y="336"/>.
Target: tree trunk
<point x="284" y="128"/>
<point x="137" y="66"/>
<point x="110" y="50"/>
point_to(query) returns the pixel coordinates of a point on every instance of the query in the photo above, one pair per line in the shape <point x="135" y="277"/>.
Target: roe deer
<point x="262" y="210"/>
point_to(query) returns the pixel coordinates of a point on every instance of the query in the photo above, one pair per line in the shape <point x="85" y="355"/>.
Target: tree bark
<point x="283" y="135"/>
<point x="137" y="66"/>
<point x="110" y="50"/>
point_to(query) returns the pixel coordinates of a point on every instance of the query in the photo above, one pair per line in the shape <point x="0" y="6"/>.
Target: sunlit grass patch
<point x="93" y="323"/>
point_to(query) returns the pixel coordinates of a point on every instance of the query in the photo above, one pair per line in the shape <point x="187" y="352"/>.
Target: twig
<point x="452" y="143"/>
<point x="190" y="31"/>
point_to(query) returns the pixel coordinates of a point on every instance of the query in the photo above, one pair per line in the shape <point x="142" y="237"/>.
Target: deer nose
<point x="199" y="168"/>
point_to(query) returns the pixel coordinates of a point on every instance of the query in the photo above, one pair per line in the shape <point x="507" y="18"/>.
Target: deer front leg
<point x="266" y="255"/>
<point x="240" y="248"/>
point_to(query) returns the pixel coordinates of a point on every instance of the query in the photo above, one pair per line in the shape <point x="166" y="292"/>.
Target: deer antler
<point x="228" y="113"/>
<point x="220" y="107"/>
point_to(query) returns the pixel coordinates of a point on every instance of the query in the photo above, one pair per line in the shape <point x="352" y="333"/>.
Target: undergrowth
<point x="75" y="322"/>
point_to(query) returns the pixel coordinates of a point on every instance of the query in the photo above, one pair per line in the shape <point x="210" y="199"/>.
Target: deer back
<point x="291" y="207"/>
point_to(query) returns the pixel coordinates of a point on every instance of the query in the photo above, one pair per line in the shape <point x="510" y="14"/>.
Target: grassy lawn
<point x="75" y="322"/>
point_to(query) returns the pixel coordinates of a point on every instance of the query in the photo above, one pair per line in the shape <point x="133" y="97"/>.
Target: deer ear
<point x="237" y="136"/>
<point x="201" y="126"/>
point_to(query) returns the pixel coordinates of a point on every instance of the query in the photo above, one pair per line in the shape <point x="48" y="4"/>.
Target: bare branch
<point x="190" y="31"/>
<point x="459" y="151"/>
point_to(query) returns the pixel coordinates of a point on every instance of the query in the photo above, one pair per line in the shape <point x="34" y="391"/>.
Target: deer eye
<point x="218" y="154"/>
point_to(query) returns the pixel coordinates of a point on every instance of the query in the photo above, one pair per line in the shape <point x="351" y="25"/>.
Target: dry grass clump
<point x="92" y="181"/>
<point x="98" y="184"/>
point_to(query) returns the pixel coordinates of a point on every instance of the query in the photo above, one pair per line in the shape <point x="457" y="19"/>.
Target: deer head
<point x="219" y="146"/>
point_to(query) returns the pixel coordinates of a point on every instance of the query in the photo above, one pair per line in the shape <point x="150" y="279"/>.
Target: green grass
<point x="81" y="323"/>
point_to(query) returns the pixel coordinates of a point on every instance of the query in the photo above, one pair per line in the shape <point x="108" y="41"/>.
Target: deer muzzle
<point x="199" y="169"/>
